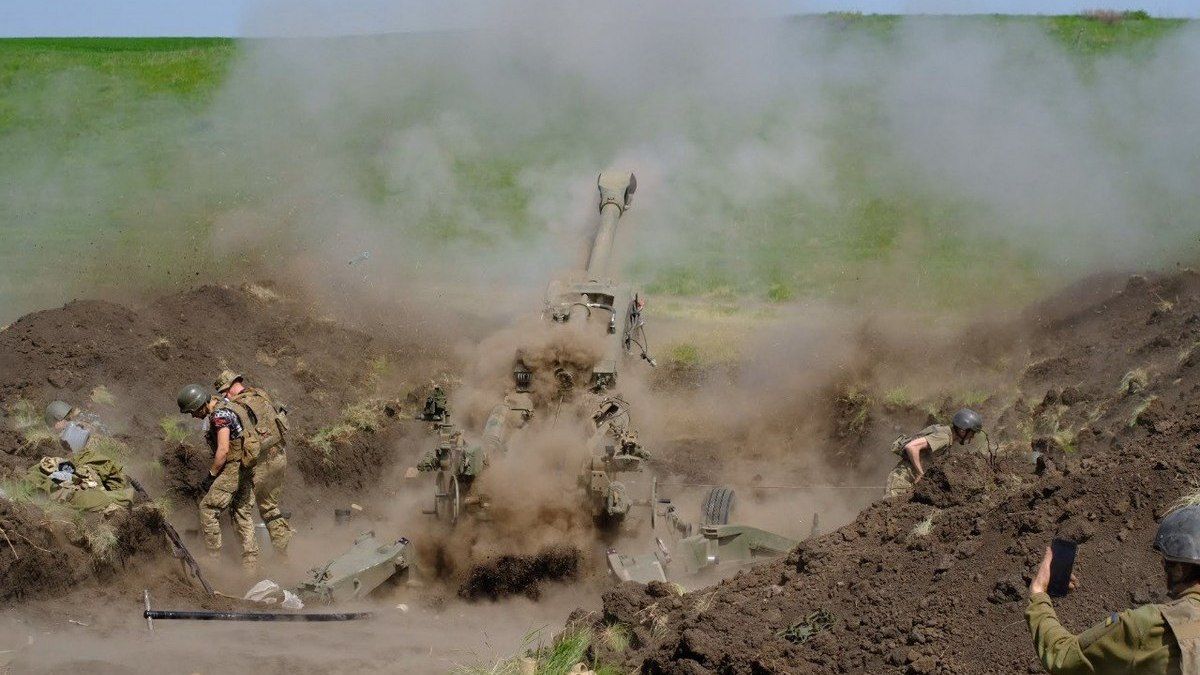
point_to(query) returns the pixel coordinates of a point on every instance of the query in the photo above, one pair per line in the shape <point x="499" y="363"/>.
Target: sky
<point x="137" y="18"/>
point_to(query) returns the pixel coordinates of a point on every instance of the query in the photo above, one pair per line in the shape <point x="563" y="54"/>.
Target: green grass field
<point x="118" y="171"/>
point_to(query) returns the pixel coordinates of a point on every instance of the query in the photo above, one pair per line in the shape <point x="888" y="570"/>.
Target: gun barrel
<point x="616" y="190"/>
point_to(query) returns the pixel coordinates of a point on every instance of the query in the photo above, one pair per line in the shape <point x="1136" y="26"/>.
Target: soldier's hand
<point x="1041" y="578"/>
<point x="207" y="484"/>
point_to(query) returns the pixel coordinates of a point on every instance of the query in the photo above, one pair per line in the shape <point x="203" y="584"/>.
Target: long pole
<point x="201" y="615"/>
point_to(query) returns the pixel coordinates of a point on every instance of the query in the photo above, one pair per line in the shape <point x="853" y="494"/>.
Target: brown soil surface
<point x="1105" y="389"/>
<point x="44" y="556"/>
<point x="142" y="356"/>
<point x="1100" y="384"/>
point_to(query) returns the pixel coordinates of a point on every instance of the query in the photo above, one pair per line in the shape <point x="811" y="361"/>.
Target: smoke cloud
<point x="780" y="157"/>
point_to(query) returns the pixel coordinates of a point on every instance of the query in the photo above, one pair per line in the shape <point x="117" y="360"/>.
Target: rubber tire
<point x="717" y="506"/>
<point x="447" y="499"/>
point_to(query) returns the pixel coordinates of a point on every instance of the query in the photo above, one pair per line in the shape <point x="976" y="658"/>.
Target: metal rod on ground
<point x="202" y="615"/>
<point x="778" y="487"/>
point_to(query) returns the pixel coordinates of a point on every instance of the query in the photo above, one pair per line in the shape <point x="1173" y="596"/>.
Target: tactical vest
<point x="905" y="439"/>
<point x="1183" y="616"/>
<point x="263" y="425"/>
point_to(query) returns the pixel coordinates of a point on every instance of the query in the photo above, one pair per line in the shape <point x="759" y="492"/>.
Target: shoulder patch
<point x="1088" y="637"/>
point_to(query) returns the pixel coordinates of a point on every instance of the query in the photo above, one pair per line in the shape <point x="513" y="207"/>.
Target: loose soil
<point x="1100" y="385"/>
<point x="1107" y="396"/>
<point x="144" y="355"/>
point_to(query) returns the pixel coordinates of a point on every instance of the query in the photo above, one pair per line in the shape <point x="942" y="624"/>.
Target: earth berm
<point x="936" y="582"/>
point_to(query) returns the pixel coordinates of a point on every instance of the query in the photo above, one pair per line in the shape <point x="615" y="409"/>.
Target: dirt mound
<point x="1095" y="443"/>
<point x="44" y="556"/>
<point x="360" y="456"/>
<point x="126" y="365"/>
<point x="507" y="575"/>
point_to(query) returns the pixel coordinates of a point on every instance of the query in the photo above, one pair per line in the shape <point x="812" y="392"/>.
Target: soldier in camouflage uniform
<point x="230" y="483"/>
<point x="269" y="471"/>
<point x="1152" y="639"/>
<point x="908" y="471"/>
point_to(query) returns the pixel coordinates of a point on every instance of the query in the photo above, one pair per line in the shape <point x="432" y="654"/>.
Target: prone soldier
<point x="962" y="429"/>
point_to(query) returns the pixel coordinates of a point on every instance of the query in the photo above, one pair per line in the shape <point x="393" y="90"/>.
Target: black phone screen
<point x="1060" y="567"/>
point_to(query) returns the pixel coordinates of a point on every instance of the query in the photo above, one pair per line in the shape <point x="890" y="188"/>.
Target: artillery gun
<point x="456" y="463"/>
<point x="607" y="313"/>
<point x="716" y="546"/>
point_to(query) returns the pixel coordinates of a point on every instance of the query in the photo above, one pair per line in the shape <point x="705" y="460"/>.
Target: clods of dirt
<point x="508" y="575"/>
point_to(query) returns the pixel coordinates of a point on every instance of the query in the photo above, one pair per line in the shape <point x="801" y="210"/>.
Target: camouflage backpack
<point x="263" y="423"/>
<point x="904" y="439"/>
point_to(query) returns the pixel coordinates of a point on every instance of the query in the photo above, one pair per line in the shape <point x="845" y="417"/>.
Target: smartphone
<point x="1061" y="564"/>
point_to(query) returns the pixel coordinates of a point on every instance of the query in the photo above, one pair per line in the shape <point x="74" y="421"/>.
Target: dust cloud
<point x="433" y="166"/>
<point x="457" y="144"/>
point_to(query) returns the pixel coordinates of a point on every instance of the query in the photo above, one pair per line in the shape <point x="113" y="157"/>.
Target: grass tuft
<point x="856" y="406"/>
<point x="1134" y="381"/>
<point x="561" y="658"/>
<point x="616" y="638"/>
<point x="925" y="527"/>
<point x="174" y="431"/>
<point x="1137" y="413"/>
<point x="1190" y="499"/>
<point x="685" y="355"/>
<point x="27" y="420"/>
<point x="17" y="491"/>
<point x="898" y="397"/>
<point x="102" y="541"/>
<point x="364" y="416"/>
<point x="1066" y="439"/>
<point x="102" y="396"/>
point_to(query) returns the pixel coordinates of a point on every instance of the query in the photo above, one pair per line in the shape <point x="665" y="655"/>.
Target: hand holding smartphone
<point x="1061" y="565"/>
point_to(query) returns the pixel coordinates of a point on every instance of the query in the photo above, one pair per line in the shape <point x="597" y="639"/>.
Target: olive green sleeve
<point x="1110" y="643"/>
<point x="939" y="439"/>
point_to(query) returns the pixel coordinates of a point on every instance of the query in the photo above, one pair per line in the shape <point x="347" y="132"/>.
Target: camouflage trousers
<point x="267" y="476"/>
<point x="233" y="490"/>
<point x="902" y="479"/>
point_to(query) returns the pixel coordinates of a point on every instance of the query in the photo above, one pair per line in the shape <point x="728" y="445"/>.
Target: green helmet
<point x="56" y="412"/>
<point x="192" y="398"/>
<point x="968" y="420"/>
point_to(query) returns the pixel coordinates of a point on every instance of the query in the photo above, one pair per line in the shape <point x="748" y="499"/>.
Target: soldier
<point x="59" y="414"/>
<point x="1150" y="639"/>
<point x="435" y="405"/>
<point x="269" y="471"/>
<point x="229" y="482"/>
<point x="935" y="438"/>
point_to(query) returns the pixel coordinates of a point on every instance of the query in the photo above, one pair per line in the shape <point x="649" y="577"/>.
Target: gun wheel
<point x="447" y="499"/>
<point x="717" y="506"/>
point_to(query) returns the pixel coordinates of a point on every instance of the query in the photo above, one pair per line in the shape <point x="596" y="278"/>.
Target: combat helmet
<point x="1178" y="537"/>
<point x="56" y="412"/>
<point x="191" y="398"/>
<point x="225" y="380"/>
<point x="967" y="420"/>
